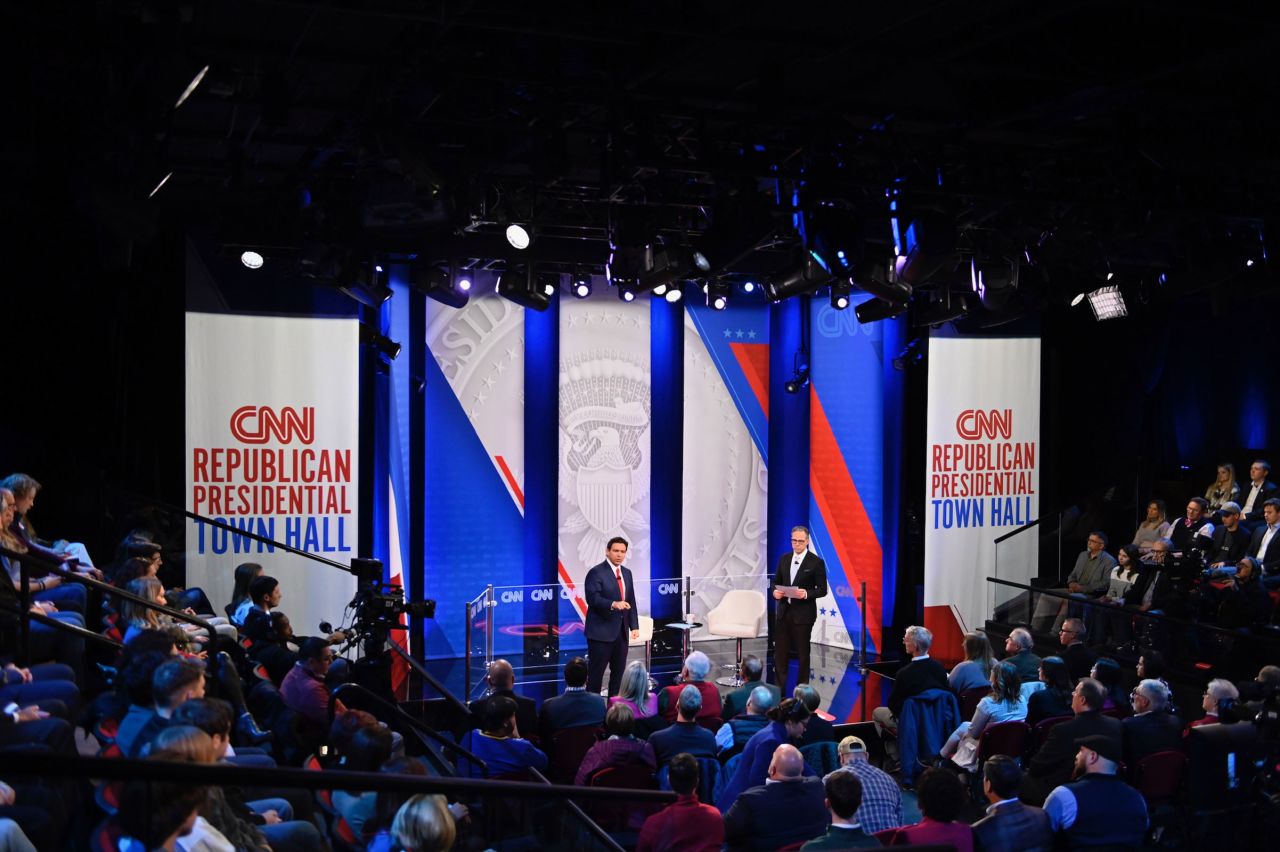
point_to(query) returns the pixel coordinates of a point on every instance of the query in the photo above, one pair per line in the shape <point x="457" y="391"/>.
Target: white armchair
<point x="739" y="615"/>
<point x="645" y="639"/>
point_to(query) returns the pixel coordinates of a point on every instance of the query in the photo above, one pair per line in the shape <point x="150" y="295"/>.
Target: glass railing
<point x="1029" y="555"/>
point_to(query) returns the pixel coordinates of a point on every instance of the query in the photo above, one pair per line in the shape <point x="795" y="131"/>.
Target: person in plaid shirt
<point x="881" y="806"/>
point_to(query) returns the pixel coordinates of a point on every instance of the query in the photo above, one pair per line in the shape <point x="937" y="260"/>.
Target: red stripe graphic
<point x="838" y="502"/>
<point x="753" y="359"/>
<point x="564" y="575"/>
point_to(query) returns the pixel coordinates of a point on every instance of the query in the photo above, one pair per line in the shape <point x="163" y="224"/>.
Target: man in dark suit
<point x="576" y="708"/>
<point x="1009" y="826"/>
<point x="1152" y="727"/>
<point x="752" y="674"/>
<point x="922" y="673"/>
<point x="1254" y="498"/>
<point x="794" y="617"/>
<point x="685" y="735"/>
<point x="844" y="797"/>
<point x="773" y="815"/>
<point x="1078" y="658"/>
<point x="1019" y="654"/>
<point x="502" y="680"/>
<point x="1264" y="546"/>
<point x="1230" y="539"/>
<point x="611" y="612"/>
<point x="1053" y="763"/>
<point x="819" y="730"/>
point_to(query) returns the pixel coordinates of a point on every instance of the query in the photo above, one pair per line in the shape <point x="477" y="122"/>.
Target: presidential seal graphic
<point x="604" y="440"/>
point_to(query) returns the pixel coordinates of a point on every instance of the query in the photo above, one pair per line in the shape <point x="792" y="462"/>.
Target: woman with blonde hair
<point x="1154" y="527"/>
<point x="1004" y="704"/>
<point x="1224" y="488"/>
<point x="139" y="617"/>
<point x="424" y="824"/>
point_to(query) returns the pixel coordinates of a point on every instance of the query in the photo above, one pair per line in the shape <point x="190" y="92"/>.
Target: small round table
<point x="685" y="627"/>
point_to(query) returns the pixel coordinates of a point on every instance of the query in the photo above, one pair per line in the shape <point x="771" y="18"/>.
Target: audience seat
<point x="1159" y="775"/>
<point x="1041" y="732"/>
<point x="567" y="748"/>
<point x="622" y="816"/>
<point x="1007" y="738"/>
<point x="969" y="700"/>
<point x="709" y="773"/>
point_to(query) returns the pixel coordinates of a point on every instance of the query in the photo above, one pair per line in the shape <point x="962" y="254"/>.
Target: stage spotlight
<point x="660" y="290"/>
<point x="674" y="293"/>
<point x="359" y="281"/>
<point x="160" y="185"/>
<point x="661" y="267"/>
<point x="442" y="285"/>
<point x="1079" y="297"/>
<point x="874" y="310"/>
<point x="463" y="284"/>
<point x="840" y="295"/>
<point x="519" y="236"/>
<point x="191" y="87"/>
<point x="1107" y="303"/>
<point x="749" y="287"/>
<point x="718" y="295"/>
<point x="996" y="284"/>
<point x="519" y="284"/>
<point x="385" y="346"/>
<point x="805" y="276"/>
<point x="799" y="381"/>
<point x="550" y="283"/>
<point x="582" y="286"/>
<point x="930" y="245"/>
<point x="947" y="307"/>
<point x="251" y="259"/>
<point x="626" y="294"/>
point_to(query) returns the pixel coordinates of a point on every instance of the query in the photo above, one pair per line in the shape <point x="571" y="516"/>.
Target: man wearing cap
<point x="881" y="805"/>
<point x="1230" y="540"/>
<point x="1098" y="808"/>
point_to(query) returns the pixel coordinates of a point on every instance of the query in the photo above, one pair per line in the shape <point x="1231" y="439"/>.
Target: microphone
<point x="326" y="628"/>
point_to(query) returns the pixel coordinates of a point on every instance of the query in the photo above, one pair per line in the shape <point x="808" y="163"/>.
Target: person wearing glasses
<point x="1079" y="659"/>
<point x="787" y="723"/>
<point x="801" y="578"/>
<point x="1152" y="727"/>
<point x="1090" y="577"/>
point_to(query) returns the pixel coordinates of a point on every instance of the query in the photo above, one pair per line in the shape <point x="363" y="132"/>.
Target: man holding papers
<point x="800" y="580"/>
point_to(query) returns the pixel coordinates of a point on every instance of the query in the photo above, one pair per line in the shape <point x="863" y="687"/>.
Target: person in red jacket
<point x="687" y="825"/>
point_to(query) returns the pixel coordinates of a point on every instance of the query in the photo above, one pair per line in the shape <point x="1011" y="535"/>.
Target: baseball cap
<point x="851" y="744"/>
<point x="1105" y="746"/>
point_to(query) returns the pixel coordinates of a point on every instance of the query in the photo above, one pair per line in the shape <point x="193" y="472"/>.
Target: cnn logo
<point x="257" y="424"/>
<point x="974" y="423"/>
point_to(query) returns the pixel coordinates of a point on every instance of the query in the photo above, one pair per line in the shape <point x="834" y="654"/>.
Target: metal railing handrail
<point x="435" y="683"/>
<point x="1028" y="525"/>
<point x="396" y="711"/>
<point x="1131" y="610"/>
<point x="591" y="825"/>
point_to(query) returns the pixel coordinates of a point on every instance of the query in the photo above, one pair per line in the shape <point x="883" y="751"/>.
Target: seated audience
<point x="1054" y="698"/>
<point x="620" y="749"/>
<point x="1263" y="548"/>
<point x="1078" y="658"/>
<point x="368" y="749"/>
<point x="1098" y="809"/>
<point x="844" y="797"/>
<point x="424" y="824"/>
<point x="502" y="681"/>
<point x="1154" y="527"/>
<point x="156" y="814"/>
<point x="241" y="603"/>
<point x="752" y="673"/>
<point x="1244" y="603"/>
<point x="1192" y="531"/>
<point x="1103" y="624"/>
<point x="1106" y="671"/>
<point x="787" y="723"/>
<point x="174" y="681"/>
<point x="1217" y="692"/>
<point x="1230" y="539"/>
<point x="734" y="734"/>
<point x="1090" y="577"/>
<point x="1052" y="763"/>
<point x="1152" y="727"/>
<point x="974" y="671"/>
<point x="686" y="825"/>
<point x="274" y="643"/>
<point x="920" y="674"/>
<point x="635" y="692"/>
<point x="498" y="744"/>
<point x="1255" y="495"/>
<point x="1009" y="826"/>
<point x="73" y="553"/>
<point x="575" y="708"/>
<point x="686" y="735"/>
<point x="304" y="689"/>
<point x="696" y="668"/>
<point x="941" y="797"/>
<point x="881" y="806"/>
<point x="1223" y="489"/>
<point x="1018" y="651"/>
<point x="819" y="730"/>
<point x="138" y="618"/>
<point x="769" y="816"/>
<point x="45" y="684"/>
<point x="1004" y="704"/>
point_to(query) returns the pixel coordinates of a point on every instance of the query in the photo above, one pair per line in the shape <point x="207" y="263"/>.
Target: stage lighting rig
<point x="445" y="286"/>
<point x="385" y="346"/>
<point x="718" y="295"/>
<point x="805" y="275"/>
<point x="840" y="294"/>
<point x="519" y="284"/>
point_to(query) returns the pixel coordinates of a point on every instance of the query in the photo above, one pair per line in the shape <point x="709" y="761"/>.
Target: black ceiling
<point x="1074" y="135"/>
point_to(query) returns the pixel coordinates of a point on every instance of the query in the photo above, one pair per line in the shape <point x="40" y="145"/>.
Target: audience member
<point x="843" y="798"/>
<point x="1098" y="809"/>
<point x="1264" y="549"/>
<point x="1106" y="671"/>
<point x="1090" y="577"/>
<point x="696" y="668"/>
<point x="1052" y="763"/>
<point x="1230" y="540"/>
<point x="1154" y="527"/>
<point x="304" y="689"/>
<point x="1018" y="652"/>
<point x="1009" y="826"/>
<point x="1193" y="531"/>
<point x="502" y="681"/>
<point x="1260" y="489"/>
<point x="1215" y="694"/>
<point x="1103" y="624"/>
<point x="735" y="733"/>
<point x="791" y="808"/>
<point x="686" y="735"/>
<point x="941" y="797"/>
<point x="157" y="813"/>
<point x="499" y="744"/>
<point x="1004" y="704"/>
<point x="1054" y="697"/>
<point x="424" y="824"/>
<point x="241" y="603"/>
<point x="1223" y="489"/>
<point x="752" y="673"/>
<point x="819" y="730"/>
<point x="1079" y="659"/>
<point x="1152" y="727"/>
<point x="974" y="671"/>
<point x="75" y="554"/>
<point x="787" y="723"/>
<point x="174" y="681"/>
<point x="635" y="691"/>
<point x="620" y="749"/>
<point x="274" y="645"/>
<point x="575" y="708"/>
<point x="368" y="750"/>
<point x="1243" y="603"/>
<point x="686" y="825"/>
<point x="42" y="684"/>
<point x="920" y="674"/>
<point x="881" y="806"/>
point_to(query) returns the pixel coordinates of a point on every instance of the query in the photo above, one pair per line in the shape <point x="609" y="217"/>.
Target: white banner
<point x="982" y="476"/>
<point x="272" y="447"/>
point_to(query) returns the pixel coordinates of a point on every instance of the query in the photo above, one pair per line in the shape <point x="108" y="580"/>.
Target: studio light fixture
<point x="874" y="310"/>
<point x="799" y="380"/>
<point x="1108" y="303"/>
<point x="749" y="287"/>
<point x="805" y="275"/>
<point x="191" y="87"/>
<point x="251" y="259"/>
<point x="718" y="295"/>
<point x="519" y="284"/>
<point x="626" y="294"/>
<point x="519" y="236"/>
<point x="840" y="294"/>
<point x="385" y="346"/>
<point x="581" y="286"/>
<point x="674" y="293"/>
<point x="444" y="286"/>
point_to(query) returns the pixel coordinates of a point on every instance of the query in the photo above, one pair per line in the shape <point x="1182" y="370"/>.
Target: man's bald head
<point x="787" y="764"/>
<point x="501" y="675"/>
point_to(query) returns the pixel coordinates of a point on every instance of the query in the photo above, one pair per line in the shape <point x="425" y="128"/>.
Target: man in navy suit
<point x="611" y="611"/>
<point x="1264" y="546"/>
<point x="794" y="617"/>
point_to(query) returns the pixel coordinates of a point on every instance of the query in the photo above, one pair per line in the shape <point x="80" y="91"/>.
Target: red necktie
<point x="622" y="590"/>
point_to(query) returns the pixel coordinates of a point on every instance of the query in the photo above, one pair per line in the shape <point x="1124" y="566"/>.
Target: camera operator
<point x="274" y="643"/>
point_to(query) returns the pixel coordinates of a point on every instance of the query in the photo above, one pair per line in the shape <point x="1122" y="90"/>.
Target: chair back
<point x="622" y="815"/>
<point x="969" y="700"/>
<point x="1007" y="738"/>
<point x="567" y="748"/>
<point x="1159" y="775"/>
<point x="821" y="757"/>
<point x="646" y="631"/>
<point x="508" y="816"/>
<point x="709" y="772"/>
<point x="738" y="611"/>
<point x="1040" y="734"/>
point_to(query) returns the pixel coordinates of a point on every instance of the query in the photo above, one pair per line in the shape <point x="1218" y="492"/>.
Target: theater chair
<point x="739" y="615"/>
<point x="646" y="639"/>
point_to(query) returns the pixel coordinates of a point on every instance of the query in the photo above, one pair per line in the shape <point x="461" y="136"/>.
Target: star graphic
<point x="511" y="353"/>
<point x="751" y="333"/>
<point x="728" y="333"/>
<point x="740" y="333"/>
<point x="822" y="611"/>
<point x="479" y="396"/>
<point x="489" y="381"/>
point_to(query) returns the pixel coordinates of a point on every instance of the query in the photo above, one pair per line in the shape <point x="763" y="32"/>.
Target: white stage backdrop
<point x="272" y="446"/>
<point x="605" y="416"/>
<point x="982" y="474"/>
